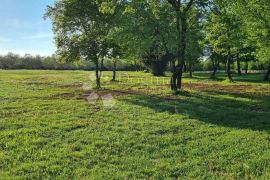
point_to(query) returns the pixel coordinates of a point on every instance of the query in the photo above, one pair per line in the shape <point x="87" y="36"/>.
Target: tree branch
<point x="175" y="3"/>
<point x="188" y="5"/>
<point x="172" y="2"/>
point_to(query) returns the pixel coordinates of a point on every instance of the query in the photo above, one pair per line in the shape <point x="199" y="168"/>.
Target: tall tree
<point x="182" y="9"/>
<point x="255" y="16"/>
<point x="194" y="38"/>
<point x="145" y="33"/>
<point x="181" y="12"/>
<point x="176" y="25"/>
<point x="80" y="30"/>
<point x="222" y="32"/>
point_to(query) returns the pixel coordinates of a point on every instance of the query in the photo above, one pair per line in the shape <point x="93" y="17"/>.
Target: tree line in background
<point x="15" y="61"/>
<point x="28" y="61"/>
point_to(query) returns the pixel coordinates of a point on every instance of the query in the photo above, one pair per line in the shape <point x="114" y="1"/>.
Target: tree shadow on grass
<point x="245" y="78"/>
<point x="248" y="78"/>
<point x="212" y="109"/>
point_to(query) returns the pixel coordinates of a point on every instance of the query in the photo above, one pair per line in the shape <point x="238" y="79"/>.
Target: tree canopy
<point x="161" y="32"/>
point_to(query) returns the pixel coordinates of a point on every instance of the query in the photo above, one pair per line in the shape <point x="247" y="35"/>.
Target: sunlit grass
<point x="215" y="129"/>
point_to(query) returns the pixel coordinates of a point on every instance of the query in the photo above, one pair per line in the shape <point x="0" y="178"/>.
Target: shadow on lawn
<point x="247" y="78"/>
<point x="218" y="110"/>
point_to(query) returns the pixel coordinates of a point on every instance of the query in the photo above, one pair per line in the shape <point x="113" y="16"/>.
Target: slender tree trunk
<point x="98" y="86"/>
<point x="267" y="74"/>
<point x="99" y="73"/>
<point x="114" y="71"/>
<point x="179" y="77"/>
<point x="190" y="70"/>
<point x="229" y="68"/>
<point x="246" y="68"/>
<point x="238" y="65"/>
<point x="173" y="81"/>
<point x="214" y="68"/>
<point x="174" y="77"/>
<point x="185" y="67"/>
<point x="177" y="70"/>
<point x="182" y="47"/>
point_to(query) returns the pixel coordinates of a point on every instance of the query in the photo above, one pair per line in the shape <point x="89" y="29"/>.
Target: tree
<point x="80" y="30"/>
<point x="246" y="55"/>
<point x="182" y="11"/>
<point x="216" y="59"/>
<point x="168" y="19"/>
<point x="113" y="55"/>
<point x="222" y="33"/>
<point x="144" y="32"/>
<point x="194" y="36"/>
<point x="255" y="16"/>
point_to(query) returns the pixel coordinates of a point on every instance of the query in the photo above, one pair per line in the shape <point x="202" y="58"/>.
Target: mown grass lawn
<point x="214" y="129"/>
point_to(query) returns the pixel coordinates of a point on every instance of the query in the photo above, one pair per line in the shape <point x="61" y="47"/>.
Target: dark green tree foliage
<point x="145" y="33"/>
<point x="146" y="22"/>
<point x="156" y="60"/>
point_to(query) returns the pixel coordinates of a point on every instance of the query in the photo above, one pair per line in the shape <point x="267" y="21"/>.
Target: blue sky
<point x="23" y="29"/>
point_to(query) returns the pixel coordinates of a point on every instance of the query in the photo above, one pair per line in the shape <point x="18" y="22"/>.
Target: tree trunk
<point x="98" y="86"/>
<point x="174" y="77"/>
<point x="181" y="47"/>
<point x="185" y="67"/>
<point x="214" y="68"/>
<point x="238" y="66"/>
<point x="266" y="77"/>
<point x="98" y="73"/>
<point x="179" y="77"/>
<point x="173" y="81"/>
<point x="246" y="68"/>
<point x="114" y="71"/>
<point x="229" y="68"/>
<point x="181" y="25"/>
<point x="190" y="70"/>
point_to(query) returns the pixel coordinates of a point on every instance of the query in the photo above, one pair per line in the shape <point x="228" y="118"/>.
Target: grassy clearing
<point x="214" y="129"/>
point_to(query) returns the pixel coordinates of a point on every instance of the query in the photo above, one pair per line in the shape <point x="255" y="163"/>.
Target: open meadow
<point x="53" y="124"/>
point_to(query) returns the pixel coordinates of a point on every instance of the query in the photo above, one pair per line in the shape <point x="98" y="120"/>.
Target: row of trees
<point x="163" y="32"/>
<point x="15" y="61"/>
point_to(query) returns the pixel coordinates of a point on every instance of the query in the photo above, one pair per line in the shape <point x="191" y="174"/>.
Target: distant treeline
<point x="15" y="61"/>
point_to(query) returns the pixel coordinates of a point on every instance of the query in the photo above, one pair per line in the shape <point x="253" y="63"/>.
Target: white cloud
<point x="38" y="36"/>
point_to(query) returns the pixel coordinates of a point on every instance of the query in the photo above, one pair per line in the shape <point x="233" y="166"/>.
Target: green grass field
<point x="213" y="129"/>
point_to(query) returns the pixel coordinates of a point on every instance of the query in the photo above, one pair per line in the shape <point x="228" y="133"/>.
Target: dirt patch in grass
<point x="113" y="92"/>
<point x="37" y="83"/>
<point x="218" y="87"/>
<point x="71" y="86"/>
<point x="67" y="95"/>
<point x="117" y="93"/>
